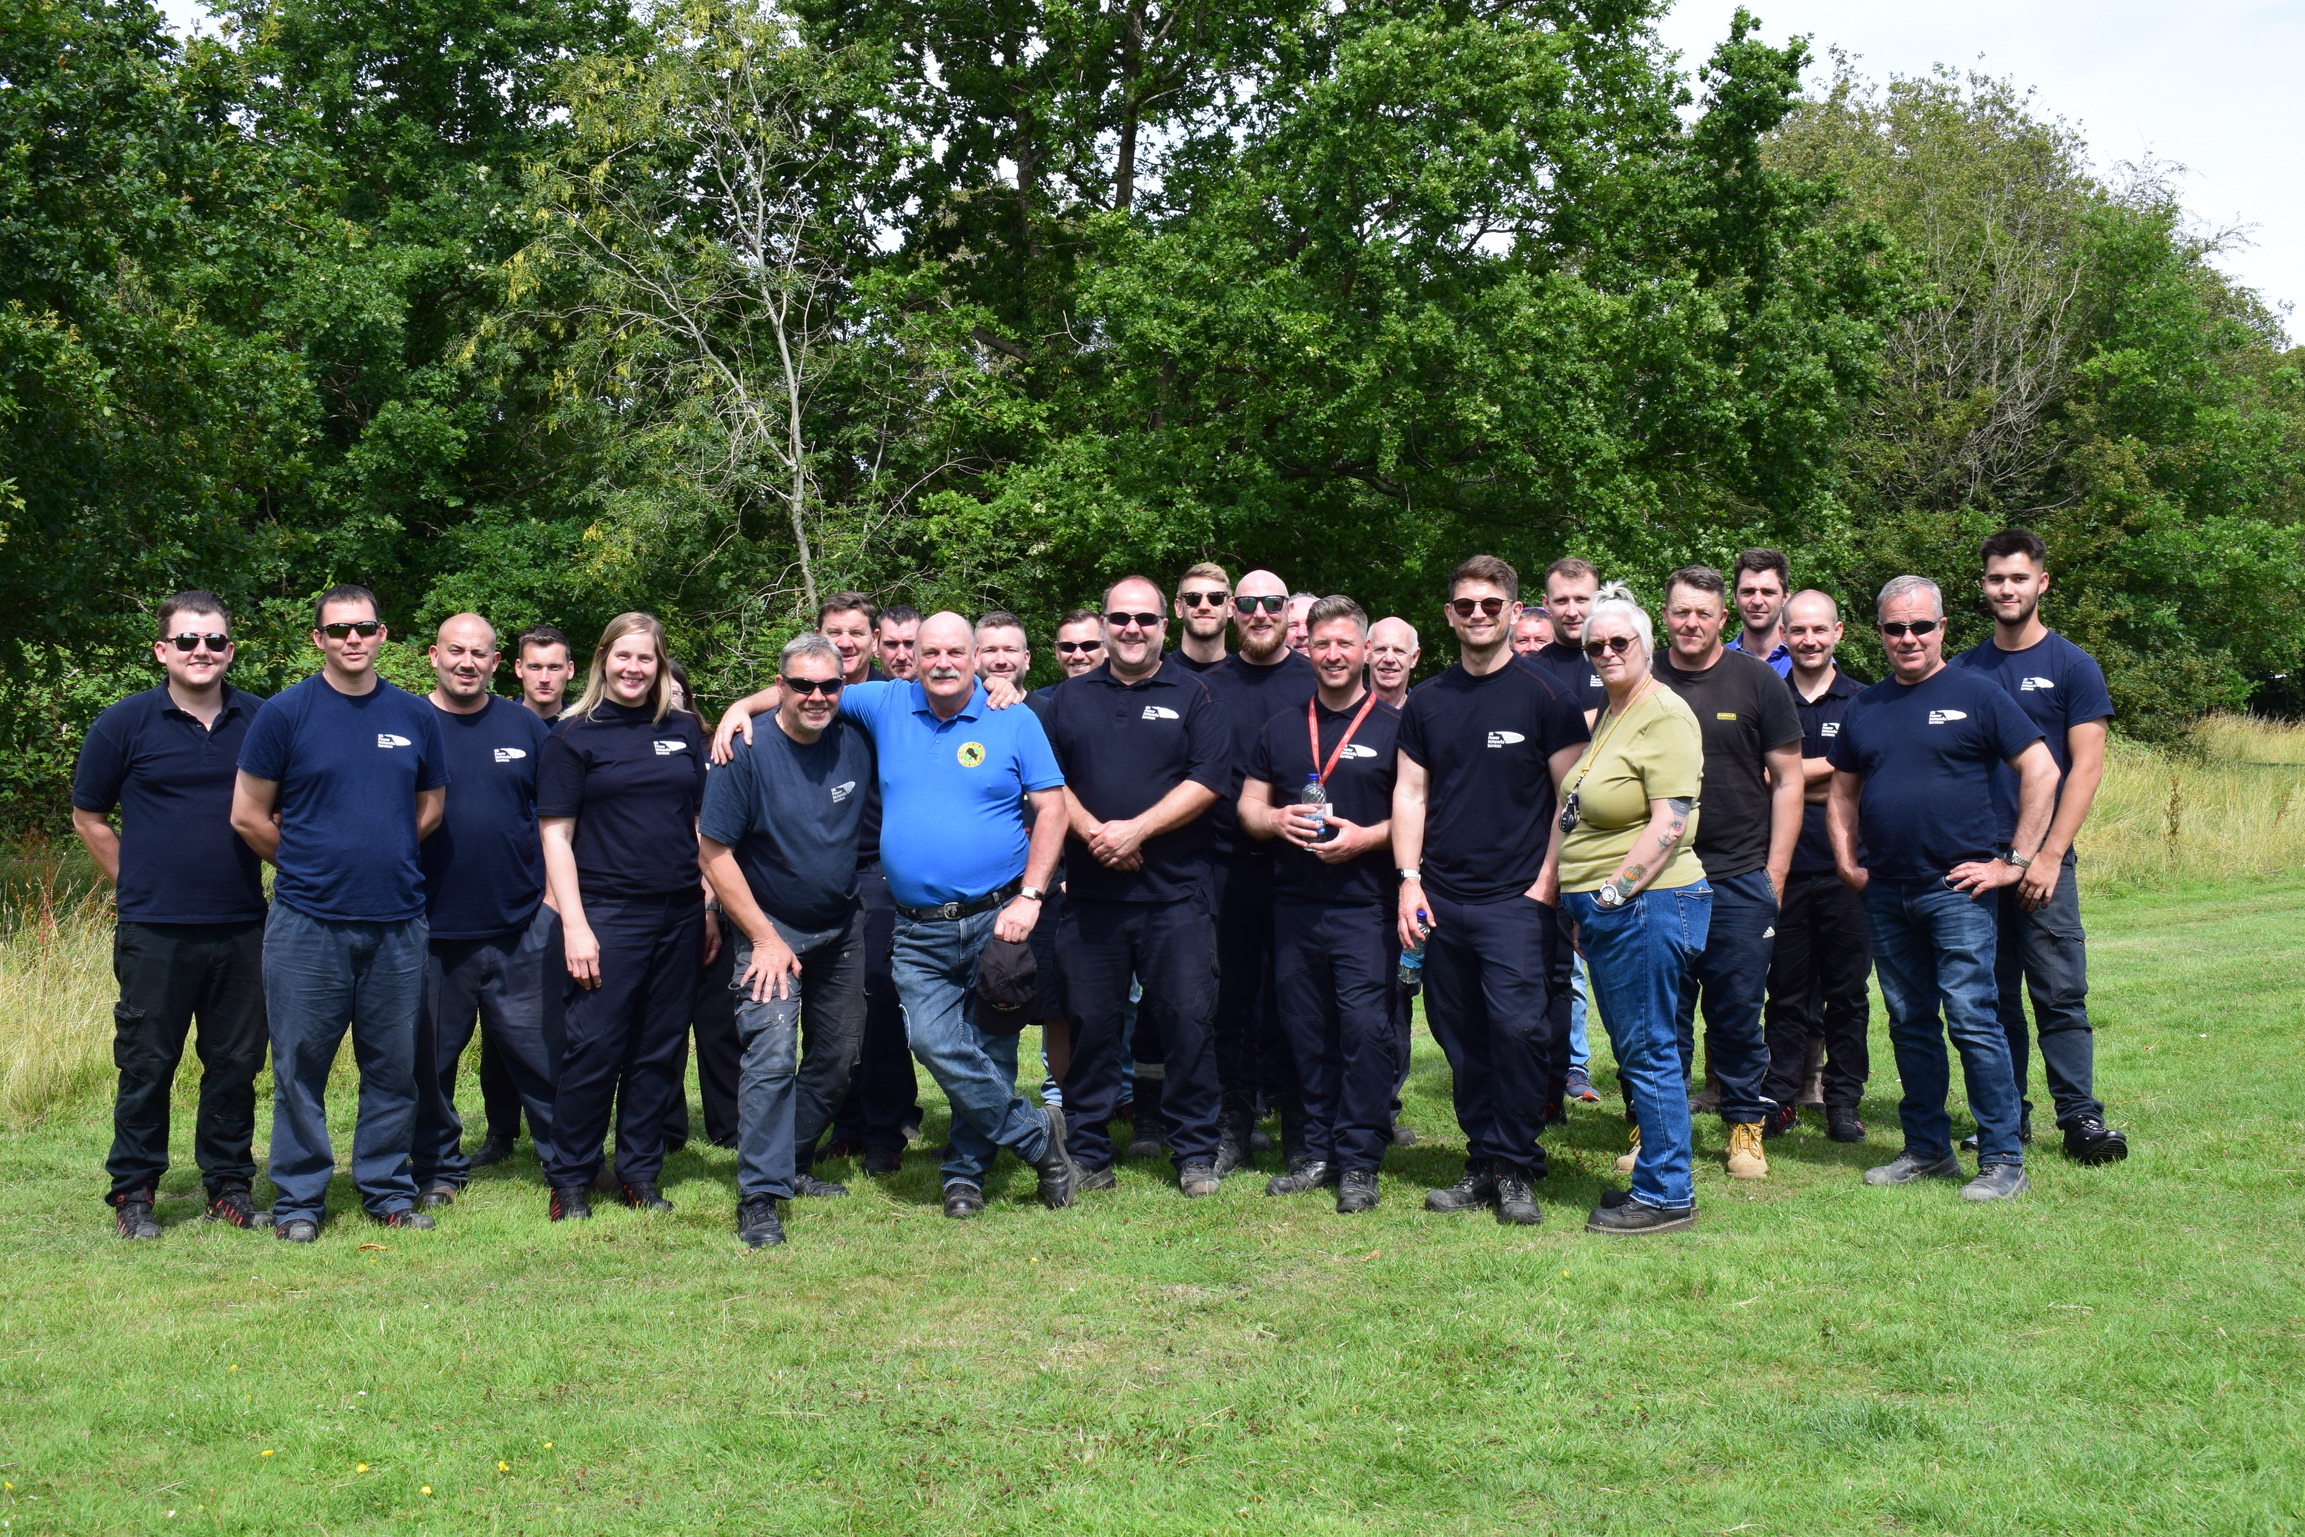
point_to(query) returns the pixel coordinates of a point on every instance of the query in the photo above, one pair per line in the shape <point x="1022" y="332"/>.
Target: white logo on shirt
<point x="1946" y="717"/>
<point x="383" y="740"/>
<point x="510" y="754"/>
<point x="1829" y="728"/>
<point x="1160" y="712"/>
<point x="666" y="749"/>
<point x="1356" y="750"/>
<point x="2030" y="684"/>
<point x="1505" y="738"/>
<point x="1595" y="682"/>
<point x="840" y="792"/>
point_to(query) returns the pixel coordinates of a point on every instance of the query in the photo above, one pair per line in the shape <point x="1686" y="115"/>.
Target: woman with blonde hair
<point x="618" y="787"/>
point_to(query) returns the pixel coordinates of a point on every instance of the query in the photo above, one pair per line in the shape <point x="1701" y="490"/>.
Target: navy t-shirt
<point x="1249" y="695"/>
<point x="349" y="767"/>
<point x="1568" y="670"/>
<point x="1190" y="665"/>
<point x="1928" y="751"/>
<point x="484" y="868"/>
<point x="171" y="777"/>
<point x="2056" y="683"/>
<point x="1122" y="747"/>
<point x="868" y="831"/>
<point x="1488" y="743"/>
<point x="790" y="812"/>
<point x="1360" y="790"/>
<point x="1820" y="725"/>
<point x="634" y="785"/>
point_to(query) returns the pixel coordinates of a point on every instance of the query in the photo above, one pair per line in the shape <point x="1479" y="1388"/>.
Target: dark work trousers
<point x="170" y="975"/>
<point x="798" y="1052"/>
<point x="499" y="1095"/>
<point x="2046" y="951"/>
<point x="1333" y="968"/>
<point x="1487" y="968"/>
<point x="1732" y="977"/>
<point x="883" y="1093"/>
<point x="1817" y="971"/>
<point x="1172" y="945"/>
<point x="719" y="1054"/>
<point x="1252" y="1049"/>
<point x="625" y="1036"/>
<point x="1404" y="1016"/>
<point x="513" y="982"/>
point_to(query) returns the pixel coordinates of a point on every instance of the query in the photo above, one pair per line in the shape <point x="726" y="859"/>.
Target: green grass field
<point x="2120" y="1351"/>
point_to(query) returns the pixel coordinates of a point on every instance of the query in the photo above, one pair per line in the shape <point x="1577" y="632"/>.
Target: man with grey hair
<point x="1910" y="815"/>
<point x="779" y="831"/>
<point x="1392" y="659"/>
<point x="1300" y="629"/>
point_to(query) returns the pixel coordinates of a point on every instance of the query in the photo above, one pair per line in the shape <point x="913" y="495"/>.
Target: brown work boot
<point x="1746" y="1160"/>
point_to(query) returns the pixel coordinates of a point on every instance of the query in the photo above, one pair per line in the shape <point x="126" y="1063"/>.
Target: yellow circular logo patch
<point x="971" y="754"/>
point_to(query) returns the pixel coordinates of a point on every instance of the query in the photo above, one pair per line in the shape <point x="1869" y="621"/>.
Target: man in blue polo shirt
<point x="341" y="778"/>
<point x="492" y="947"/>
<point x="1910" y="814"/>
<point x="964" y="869"/>
<point x="189" y="943"/>
<point x="1760" y="582"/>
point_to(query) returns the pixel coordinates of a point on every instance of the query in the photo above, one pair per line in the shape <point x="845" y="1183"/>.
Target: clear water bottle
<point x="1315" y="798"/>
<point x="1412" y="973"/>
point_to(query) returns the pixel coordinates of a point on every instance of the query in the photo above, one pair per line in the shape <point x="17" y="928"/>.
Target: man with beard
<point x="1762" y="578"/>
<point x="1204" y="605"/>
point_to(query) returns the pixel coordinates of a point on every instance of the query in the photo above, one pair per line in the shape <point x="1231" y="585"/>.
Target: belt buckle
<point x="950" y="912"/>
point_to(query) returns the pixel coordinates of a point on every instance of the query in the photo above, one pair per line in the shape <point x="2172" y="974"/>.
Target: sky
<point x="2208" y="85"/>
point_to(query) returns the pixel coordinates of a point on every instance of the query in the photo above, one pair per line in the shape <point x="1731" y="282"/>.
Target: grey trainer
<point x="1905" y="1168"/>
<point x="1997" y="1182"/>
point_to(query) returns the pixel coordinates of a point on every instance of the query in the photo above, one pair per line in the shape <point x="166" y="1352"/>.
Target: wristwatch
<point x="2021" y="861"/>
<point x="1032" y="893"/>
<point x="1611" y="894"/>
<point x="1410" y="873"/>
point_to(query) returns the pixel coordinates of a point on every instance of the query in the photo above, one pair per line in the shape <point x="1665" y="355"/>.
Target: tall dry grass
<point x="56" y="988"/>
<point x="2231" y="808"/>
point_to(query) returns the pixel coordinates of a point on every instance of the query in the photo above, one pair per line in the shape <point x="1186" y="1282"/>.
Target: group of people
<point x="1213" y="876"/>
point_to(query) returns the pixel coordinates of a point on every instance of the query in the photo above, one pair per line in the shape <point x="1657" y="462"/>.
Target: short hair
<point x="596" y="677"/>
<point x="1304" y="597"/>
<point x="809" y="643"/>
<point x="1079" y="616"/>
<point x="1207" y="571"/>
<point x="193" y="600"/>
<point x="1620" y="603"/>
<point x="2014" y="541"/>
<point x="897" y="613"/>
<point x="1702" y="578"/>
<point x="1759" y="559"/>
<point x="1489" y="569"/>
<point x="1906" y="586"/>
<point x="1570" y="566"/>
<point x="999" y="619"/>
<point x="1337" y="606"/>
<point x="345" y="592"/>
<point x="849" y="603"/>
<point x="1119" y="582"/>
<point x="539" y="635"/>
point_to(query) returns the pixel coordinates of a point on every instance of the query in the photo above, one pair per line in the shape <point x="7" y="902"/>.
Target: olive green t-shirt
<point x="1654" y="751"/>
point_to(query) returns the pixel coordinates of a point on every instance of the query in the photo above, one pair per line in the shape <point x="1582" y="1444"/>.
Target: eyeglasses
<point x="1490" y="606"/>
<point x="1202" y="599"/>
<point x="1897" y="629"/>
<point x="216" y="643"/>
<point x="1274" y="604"/>
<point x="825" y="686"/>
<point x="1141" y="621"/>
<point x="1078" y="647"/>
<point x="1620" y="644"/>
<point x="360" y="627"/>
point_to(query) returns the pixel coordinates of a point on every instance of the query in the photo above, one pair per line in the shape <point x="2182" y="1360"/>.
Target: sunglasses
<point x="1465" y="606"/>
<point x="1078" y="647"/>
<point x="825" y="686"/>
<point x="1620" y="644"/>
<point x="1271" y="605"/>
<point x="1898" y="628"/>
<point x="360" y="627"/>
<point x="1141" y="621"/>
<point x="216" y="643"/>
<point x="1202" y="599"/>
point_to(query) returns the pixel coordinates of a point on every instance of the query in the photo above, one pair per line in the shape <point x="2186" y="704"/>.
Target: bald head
<point x="1392" y="657"/>
<point x="1264" y="628"/>
<point x="1810" y="601"/>
<point x="1812" y="631"/>
<point x="944" y="655"/>
<point x="464" y="660"/>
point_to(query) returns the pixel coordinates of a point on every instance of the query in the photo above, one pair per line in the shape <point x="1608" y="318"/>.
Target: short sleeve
<point x="559" y="777"/>
<point x="699" y="753"/>
<point x="432" y="773"/>
<point x="1411" y="741"/>
<point x="2013" y="729"/>
<point x="1842" y="754"/>
<point x="1208" y="744"/>
<point x="1780" y="722"/>
<point x="728" y="798"/>
<point x="2089" y="699"/>
<point x="264" y="751"/>
<point x="1035" y="758"/>
<point x="1564" y="722"/>
<point x="1671" y="758"/>
<point x="1260" y="764"/>
<point x="102" y="769"/>
<point x="862" y="702"/>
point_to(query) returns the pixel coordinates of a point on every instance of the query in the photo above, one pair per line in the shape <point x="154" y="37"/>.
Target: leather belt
<point x="953" y="912"/>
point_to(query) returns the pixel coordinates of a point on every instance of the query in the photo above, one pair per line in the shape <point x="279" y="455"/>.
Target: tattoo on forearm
<point x="1681" y="806"/>
<point x="1635" y="872"/>
<point x="1670" y="835"/>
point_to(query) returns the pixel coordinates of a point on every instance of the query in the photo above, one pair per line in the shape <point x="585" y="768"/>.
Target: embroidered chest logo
<point x="1946" y="717"/>
<point x="1505" y="738"/>
<point x="2031" y="685"/>
<point x="665" y="749"/>
<point x="510" y="754"/>
<point x="971" y="754"/>
<point x="1356" y="750"/>
<point x="841" y="791"/>
<point x="1160" y="712"/>
<point x="1829" y="728"/>
<point x="387" y="741"/>
<point x="1724" y="715"/>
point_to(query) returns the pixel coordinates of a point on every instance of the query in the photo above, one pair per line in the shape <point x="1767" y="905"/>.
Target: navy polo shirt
<point x="1928" y="751"/>
<point x="868" y="831"/>
<point x="1820" y="724"/>
<point x="790" y="812"/>
<point x="349" y="767"/>
<point x="953" y="824"/>
<point x="484" y="867"/>
<point x="171" y="777"/>
<point x="634" y="785"/>
<point x="1487" y="743"/>
<point x="1249" y="695"/>
<point x="2057" y="684"/>
<point x="1360" y="790"/>
<point x="1123" y="747"/>
<point x="1567" y="668"/>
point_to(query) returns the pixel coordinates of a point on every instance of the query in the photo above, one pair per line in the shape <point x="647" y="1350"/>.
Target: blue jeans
<point x="788" y="1093"/>
<point x="1733" y="976"/>
<point x="2044" y="955"/>
<point x="1580" y="1048"/>
<point x="935" y="968"/>
<point x="322" y="977"/>
<point x="1639" y="957"/>
<point x="1934" y="946"/>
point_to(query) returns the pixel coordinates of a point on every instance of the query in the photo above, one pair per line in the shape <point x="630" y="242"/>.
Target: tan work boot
<point x="1746" y="1160"/>
<point x="1625" y="1163"/>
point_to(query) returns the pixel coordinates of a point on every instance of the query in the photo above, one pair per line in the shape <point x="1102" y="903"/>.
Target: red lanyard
<point x="1313" y="727"/>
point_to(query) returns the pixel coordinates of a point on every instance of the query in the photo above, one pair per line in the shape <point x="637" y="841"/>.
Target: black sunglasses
<point x="814" y="685"/>
<point x="1072" y="647"/>
<point x="1620" y="644"/>
<point x="360" y="627"/>
<point x="1202" y="599"/>
<point x="1272" y="605"/>
<point x="1898" y="627"/>
<point x="215" y="643"/>
<point x="1489" y="606"/>
<point x="1141" y="621"/>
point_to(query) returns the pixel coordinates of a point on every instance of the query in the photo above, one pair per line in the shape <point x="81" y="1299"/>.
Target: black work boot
<point x="757" y="1223"/>
<point x="2088" y="1140"/>
<point x="1621" y="1214"/>
<point x="407" y="1217"/>
<point x="642" y="1195"/>
<point x="962" y="1200"/>
<point x="1236" y="1126"/>
<point x="1197" y="1179"/>
<point x="491" y="1151"/>
<point x="132" y="1214"/>
<point x="1292" y="1130"/>
<point x="436" y="1195"/>
<point x="1357" y="1191"/>
<point x="571" y="1203"/>
<point x="1303" y="1175"/>
<point x="1149" y="1137"/>
<point x="1477" y="1189"/>
<point x="1059" y="1175"/>
<point x="1842" y="1124"/>
<point x="1516" y="1202"/>
<point x="234" y="1204"/>
<point x="806" y="1184"/>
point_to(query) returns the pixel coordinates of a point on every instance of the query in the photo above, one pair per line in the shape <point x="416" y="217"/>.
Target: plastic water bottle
<point x="1315" y="798"/>
<point x="1412" y="973"/>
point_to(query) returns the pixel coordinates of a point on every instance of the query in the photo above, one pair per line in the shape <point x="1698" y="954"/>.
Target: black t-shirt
<point x="171" y="777"/>
<point x="634" y="785"/>
<point x="1360" y="790"/>
<point x="484" y="865"/>
<point x="1928" y="751"/>
<point x="1570" y="672"/>
<point x="1190" y="665"/>
<point x="790" y="811"/>
<point x="1487" y="744"/>
<point x="1820" y="724"/>
<point x="1249" y="695"/>
<point x="1743" y="709"/>
<point x="1122" y="747"/>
